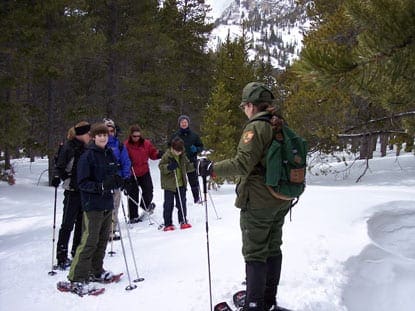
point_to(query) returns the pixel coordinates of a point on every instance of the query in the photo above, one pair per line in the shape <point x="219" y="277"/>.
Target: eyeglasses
<point x="135" y="136"/>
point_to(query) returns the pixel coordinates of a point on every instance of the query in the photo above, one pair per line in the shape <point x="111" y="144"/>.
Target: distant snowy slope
<point x="274" y="28"/>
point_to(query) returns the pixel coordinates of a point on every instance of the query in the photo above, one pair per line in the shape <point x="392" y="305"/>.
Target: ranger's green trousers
<point x="262" y="231"/>
<point x="89" y="257"/>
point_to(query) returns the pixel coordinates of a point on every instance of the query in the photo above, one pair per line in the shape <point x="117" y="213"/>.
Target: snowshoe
<point x="185" y="225"/>
<point x="239" y="298"/>
<point x="79" y="288"/>
<point x="169" y="228"/>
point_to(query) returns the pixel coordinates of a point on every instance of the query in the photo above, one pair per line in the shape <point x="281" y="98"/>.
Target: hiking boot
<point x="115" y="236"/>
<point x="185" y="225"/>
<point x="82" y="288"/>
<point x="105" y="276"/>
<point x="151" y="208"/>
<point x="169" y="228"/>
<point x="62" y="265"/>
<point x="135" y="220"/>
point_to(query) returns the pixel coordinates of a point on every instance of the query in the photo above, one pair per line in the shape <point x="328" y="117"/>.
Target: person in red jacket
<point x="140" y="150"/>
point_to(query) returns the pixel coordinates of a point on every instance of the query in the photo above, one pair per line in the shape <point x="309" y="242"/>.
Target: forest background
<point x="142" y="62"/>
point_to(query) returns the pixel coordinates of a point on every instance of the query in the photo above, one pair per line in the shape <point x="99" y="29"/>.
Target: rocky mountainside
<point x="274" y="28"/>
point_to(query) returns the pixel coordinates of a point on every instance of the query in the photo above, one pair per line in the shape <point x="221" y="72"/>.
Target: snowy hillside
<point x="273" y="28"/>
<point x="348" y="247"/>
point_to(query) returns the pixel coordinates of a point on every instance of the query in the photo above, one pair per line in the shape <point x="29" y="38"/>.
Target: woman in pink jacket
<point x="140" y="150"/>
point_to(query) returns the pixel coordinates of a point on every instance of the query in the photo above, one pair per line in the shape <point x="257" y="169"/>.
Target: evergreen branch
<point x="370" y="133"/>
<point x="391" y="118"/>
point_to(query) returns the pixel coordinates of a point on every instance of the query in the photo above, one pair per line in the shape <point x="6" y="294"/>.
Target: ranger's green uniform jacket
<point x="168" y="181"/>
<point x="262" y="215"/>
<point x="249" y="165"/>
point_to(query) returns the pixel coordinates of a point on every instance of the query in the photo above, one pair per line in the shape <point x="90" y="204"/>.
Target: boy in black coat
<point x="97" y="179"/>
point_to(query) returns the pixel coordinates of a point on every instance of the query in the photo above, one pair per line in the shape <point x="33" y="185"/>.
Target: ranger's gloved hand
<point x="56" y="181"/>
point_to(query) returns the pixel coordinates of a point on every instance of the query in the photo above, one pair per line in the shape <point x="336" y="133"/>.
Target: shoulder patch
<point x="247" y="136"/>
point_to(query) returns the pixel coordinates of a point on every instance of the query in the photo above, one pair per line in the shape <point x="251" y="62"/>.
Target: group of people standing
<point x="95" y="167"/>
<point x="94" y="176"/>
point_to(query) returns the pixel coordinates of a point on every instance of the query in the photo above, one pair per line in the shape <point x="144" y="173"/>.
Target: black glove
<point x="204" y="167"/>
<point x="172" y="164"/>
<point x="56" y="181"/>
<point x="160" y="154"/>
<point x="112" y="182"/>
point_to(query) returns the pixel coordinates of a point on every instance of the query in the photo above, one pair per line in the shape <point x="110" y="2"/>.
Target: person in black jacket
<point x="97" y="179"/>
<point x="193" y="145"/>
<point x="66" y="170"/>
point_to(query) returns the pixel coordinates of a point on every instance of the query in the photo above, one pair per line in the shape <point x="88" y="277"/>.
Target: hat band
<point x="81" y="130"/>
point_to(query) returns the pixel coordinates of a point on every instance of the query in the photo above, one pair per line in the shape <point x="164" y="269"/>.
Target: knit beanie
<point x="183" y="116"/>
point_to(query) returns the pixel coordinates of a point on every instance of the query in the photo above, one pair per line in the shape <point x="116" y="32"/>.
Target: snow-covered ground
<point x="349" y="246"/>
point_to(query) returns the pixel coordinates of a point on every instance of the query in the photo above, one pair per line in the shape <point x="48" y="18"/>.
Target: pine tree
<point x="361" y="51"/>
<point x="223" y="120"/>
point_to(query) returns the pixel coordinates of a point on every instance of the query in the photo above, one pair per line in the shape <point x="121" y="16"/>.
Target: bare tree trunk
<point x="383" y="144"/>
<point x="364" y="147"/>
<point x="7" y="160"/>
<point x="355" y="143"/>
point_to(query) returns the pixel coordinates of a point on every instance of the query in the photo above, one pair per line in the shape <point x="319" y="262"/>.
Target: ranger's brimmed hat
<point x="257" y="92"/>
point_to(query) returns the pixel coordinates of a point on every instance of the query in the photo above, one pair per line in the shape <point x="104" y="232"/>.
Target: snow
<point x="349" y="246"/>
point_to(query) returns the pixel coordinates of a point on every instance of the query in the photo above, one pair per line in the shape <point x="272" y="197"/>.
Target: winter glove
<point x="56" y="181"/>
<point x="160" y="154"/>
<point x="193" y="149"/>
<point x="112" y="182"/>
<point x="172" y="164"/>
<point x="204" y="167"/>
<point x="119" y="181"/>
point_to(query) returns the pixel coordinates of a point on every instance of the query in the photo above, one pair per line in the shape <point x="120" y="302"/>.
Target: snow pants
<point x="194" y="184"/>
<point x="117" y="200"/>
<point x="261" y="247"/>
<point x="72" y="216"/>
<point x="146" y="184"/>
<point x="89" y="257"/>
<point x="262" y="231"/>
<point x="169" y="198"/>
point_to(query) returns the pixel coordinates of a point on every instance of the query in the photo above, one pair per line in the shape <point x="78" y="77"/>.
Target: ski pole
<point x="138" y="279"/>
<point x="214" y="207"/>
<point x="130" y="286"/>
<point x="112" y="252"/>
<point x="52" y="272"/>
<point x="207" y="240"/>
<point x="180" y="197"/>
<point x="136" y="203"/>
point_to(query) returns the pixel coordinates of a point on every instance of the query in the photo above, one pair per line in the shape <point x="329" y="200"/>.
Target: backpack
<point x="286" y="164"/>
